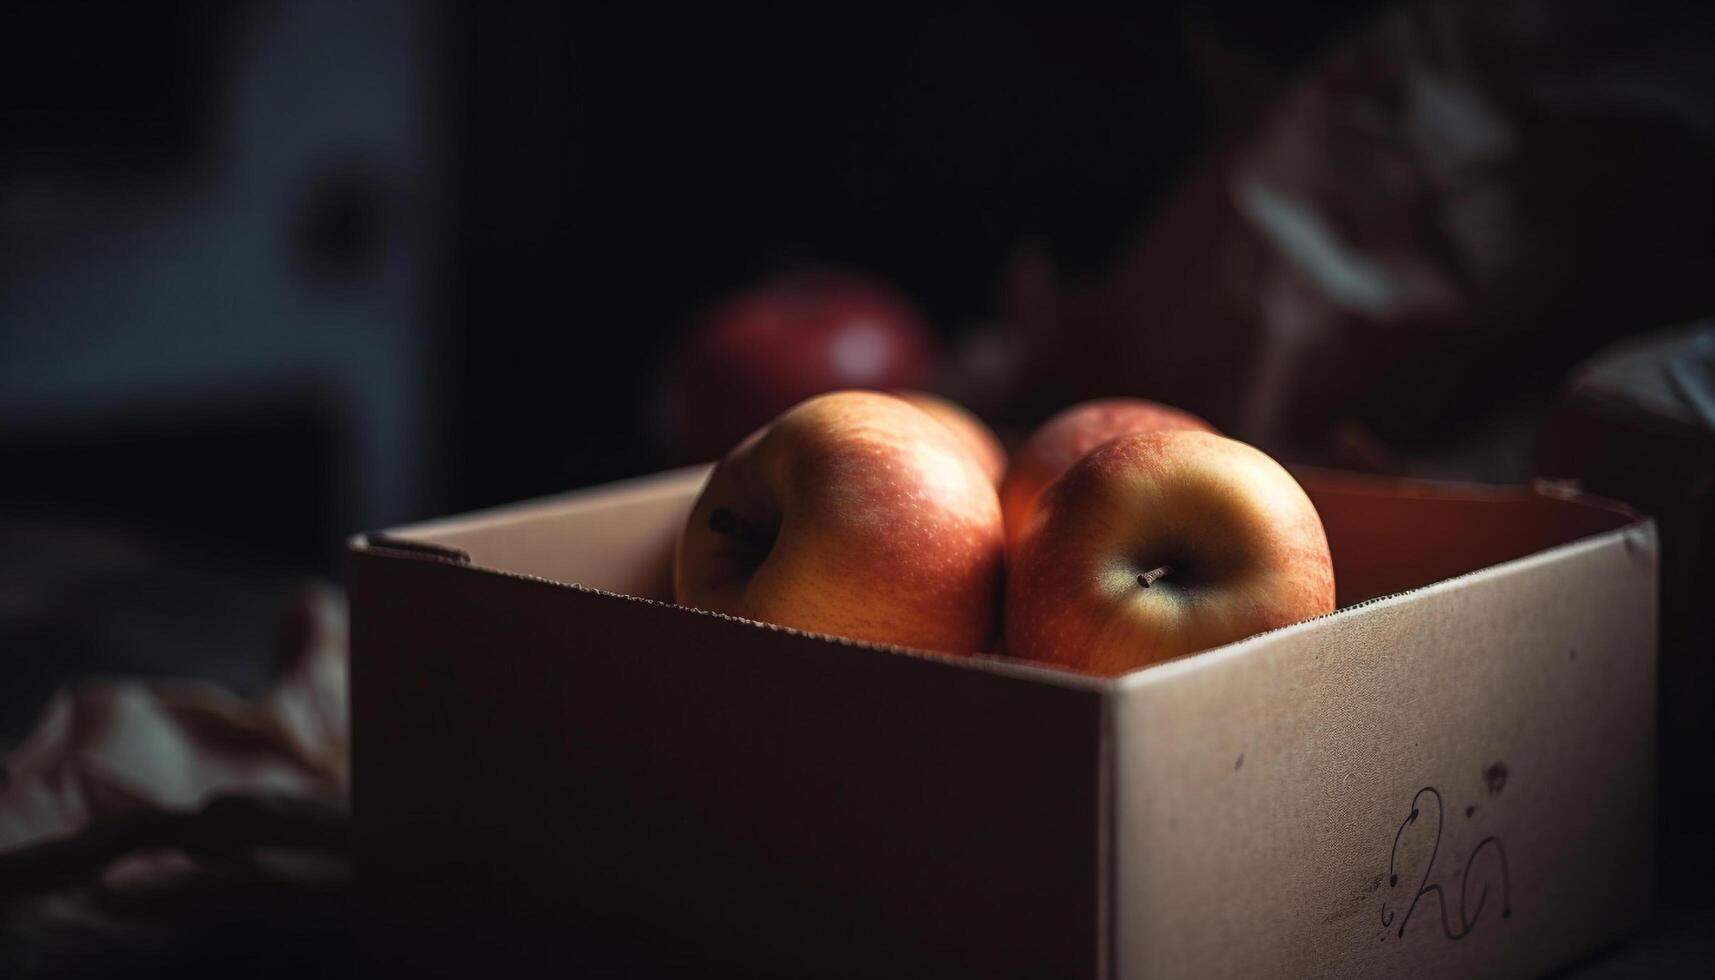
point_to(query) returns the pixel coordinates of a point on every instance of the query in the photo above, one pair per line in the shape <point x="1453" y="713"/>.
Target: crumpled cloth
<point x="137" y="813"/>
<point x="1405" y="248"/>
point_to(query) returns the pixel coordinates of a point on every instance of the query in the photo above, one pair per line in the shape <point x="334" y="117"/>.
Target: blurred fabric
<point x="165" y="825"/>
<point x="1392" y="261"/>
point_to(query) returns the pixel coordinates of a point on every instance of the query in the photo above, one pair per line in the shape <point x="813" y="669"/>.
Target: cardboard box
<point x="1451" y="776"/>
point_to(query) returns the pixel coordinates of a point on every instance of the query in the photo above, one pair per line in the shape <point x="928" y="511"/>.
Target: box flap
<point x="1389" y="535"/>
<point x="617" y="538"/>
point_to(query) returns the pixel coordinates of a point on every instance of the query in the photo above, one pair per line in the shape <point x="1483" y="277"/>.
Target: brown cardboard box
<point x="1452" y="776"/>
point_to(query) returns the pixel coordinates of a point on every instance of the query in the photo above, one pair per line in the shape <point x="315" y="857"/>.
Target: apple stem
<point x="724" y="521"/>
<point x="1154" y="575"/>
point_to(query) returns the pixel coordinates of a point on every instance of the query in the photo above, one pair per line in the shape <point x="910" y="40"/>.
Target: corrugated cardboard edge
<point x="387" y="545"/>
<point x="1107" y="844"/>
<point x="390" y="545"/>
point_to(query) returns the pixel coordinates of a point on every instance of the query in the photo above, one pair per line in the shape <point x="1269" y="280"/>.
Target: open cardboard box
<point x="1450" y="776"/>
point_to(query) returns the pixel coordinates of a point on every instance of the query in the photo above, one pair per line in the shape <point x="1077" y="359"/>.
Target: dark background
<point x="275" y="273"/>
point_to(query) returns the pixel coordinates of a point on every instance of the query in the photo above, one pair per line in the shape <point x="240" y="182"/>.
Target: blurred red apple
<point x="1068" y="436"/>
<point x="767" y="348"/>
<point x="1161" y="544"/>
<point x="853" y="514"/>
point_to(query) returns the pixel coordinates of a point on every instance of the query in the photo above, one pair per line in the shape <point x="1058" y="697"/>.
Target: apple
<point x="1160" y="544"/>
<point x="854" y="514"/>
<point x="1067" y="437"/>
<point x="769" y="347"/>
<point x="976" y="436"/>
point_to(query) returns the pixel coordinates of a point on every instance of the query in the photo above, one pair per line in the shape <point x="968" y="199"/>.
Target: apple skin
<point x="764" y="349"/>
<point x="972" y="431"/>
<point x="1067" y="437"/>
<point x="1244" y="545"/>
<point x="853" y="514"/>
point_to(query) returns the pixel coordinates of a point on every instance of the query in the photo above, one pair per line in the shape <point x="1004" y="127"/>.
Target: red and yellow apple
<point x="854" y="514"/>
<point x="1068" y="437"/>
<point x="1160" y="544"/>
<point x="972" y="431"/>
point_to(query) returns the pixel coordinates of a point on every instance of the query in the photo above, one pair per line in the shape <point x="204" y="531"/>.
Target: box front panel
<point x="680" y="793"/>
<point x="1455" y="782"/>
